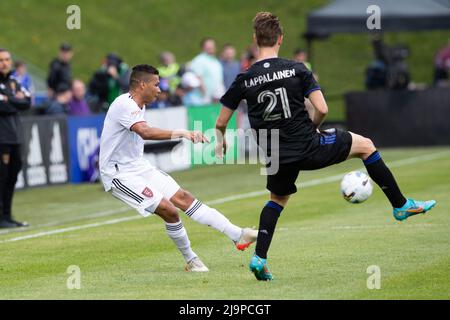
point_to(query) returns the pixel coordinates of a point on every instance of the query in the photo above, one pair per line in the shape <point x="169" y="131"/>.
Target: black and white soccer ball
<point x="356" y="187"/>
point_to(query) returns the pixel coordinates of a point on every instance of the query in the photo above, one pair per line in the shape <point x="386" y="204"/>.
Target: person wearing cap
<point x="13" y="99"/>
<point x="60" y="70"/>
<point x="193" y="88"/>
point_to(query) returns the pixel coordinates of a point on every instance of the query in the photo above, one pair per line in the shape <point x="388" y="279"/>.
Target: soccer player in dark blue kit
<point x="275" y="90"/>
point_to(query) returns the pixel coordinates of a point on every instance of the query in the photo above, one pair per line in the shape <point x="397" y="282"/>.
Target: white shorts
<point x="143" y="189"/>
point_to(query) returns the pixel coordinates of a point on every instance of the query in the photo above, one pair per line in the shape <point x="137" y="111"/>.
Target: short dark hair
<point x="65" y="46"/>
<point x="3" y="50"/>
<point x="267" y="29"/>
<point x="140" y="73"/>
<point x="19" y="63"/>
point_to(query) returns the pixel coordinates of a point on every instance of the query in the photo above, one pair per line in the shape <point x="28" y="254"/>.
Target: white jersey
<point x="119" y="146"/>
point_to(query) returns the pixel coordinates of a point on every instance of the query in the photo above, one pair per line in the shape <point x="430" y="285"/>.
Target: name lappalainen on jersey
<point x="268" y="77"/>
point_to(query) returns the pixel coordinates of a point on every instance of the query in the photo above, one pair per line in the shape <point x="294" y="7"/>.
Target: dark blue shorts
<point x="332" y="147"/>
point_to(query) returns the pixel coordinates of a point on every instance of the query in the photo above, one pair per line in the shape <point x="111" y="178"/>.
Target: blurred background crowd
<point x="201" y="81"/>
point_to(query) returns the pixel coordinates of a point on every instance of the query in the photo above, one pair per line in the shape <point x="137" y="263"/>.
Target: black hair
<point x="3" y="50"/>
<point x="140" y="73"/>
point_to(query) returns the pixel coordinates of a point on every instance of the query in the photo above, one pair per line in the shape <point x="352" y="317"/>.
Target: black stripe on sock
<point x="194" y="208"/>
<point x="175" y="227"/>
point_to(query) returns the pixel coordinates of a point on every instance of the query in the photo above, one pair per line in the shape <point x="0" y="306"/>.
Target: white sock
<point x="178" y="234"/>
<point x="205" y="215"/>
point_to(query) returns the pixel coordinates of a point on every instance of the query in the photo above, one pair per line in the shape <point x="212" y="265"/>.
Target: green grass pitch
<point x="321" y="250"/>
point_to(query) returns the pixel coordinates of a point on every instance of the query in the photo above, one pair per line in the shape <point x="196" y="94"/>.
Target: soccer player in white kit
<point x="136" y="182"/>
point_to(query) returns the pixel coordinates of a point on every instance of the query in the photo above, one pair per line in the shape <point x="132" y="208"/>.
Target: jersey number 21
<point x="273" y="100"/>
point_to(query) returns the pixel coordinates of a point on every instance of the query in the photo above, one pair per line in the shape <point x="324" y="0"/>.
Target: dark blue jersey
<point x="275" y="91"/>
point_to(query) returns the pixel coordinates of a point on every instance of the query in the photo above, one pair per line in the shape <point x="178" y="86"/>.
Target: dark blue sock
<point x="267" y="222"/>
<point x="381" y="174"/>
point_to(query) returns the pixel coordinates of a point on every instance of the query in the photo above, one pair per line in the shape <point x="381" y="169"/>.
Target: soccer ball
<point x="356" y="187"/>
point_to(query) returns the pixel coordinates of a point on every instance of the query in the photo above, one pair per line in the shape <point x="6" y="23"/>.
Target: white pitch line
<point x="63" y="230"/>
<point x="70" y="220"/>
<point x="306" y="184"/>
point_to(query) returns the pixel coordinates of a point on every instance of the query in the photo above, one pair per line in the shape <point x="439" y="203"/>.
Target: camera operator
<point x="13" y="98"/>
<point x="389" y="70"/>
<point x="108" y="82"/>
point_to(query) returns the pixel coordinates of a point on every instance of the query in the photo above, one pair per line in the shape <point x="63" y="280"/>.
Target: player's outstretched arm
<point x="148" y="133"/>
<point x="320" y="107"/>
<point x="221" y="128"/>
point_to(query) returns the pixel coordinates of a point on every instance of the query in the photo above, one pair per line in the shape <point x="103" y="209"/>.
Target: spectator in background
<point x="60" y="70"/>
<point x="249" y="57"/>
<point x="165" y="98"/>
<point x="442" y="64"/>
<point x="78" y="105"/>
<point x="22" y="76"/>
<point x="109" y="81"/>
<point x="193" y="89"/>
<point x="169" y="70"/>
<point x="60" y="103"/>
<point x="231" y="67"/>
<point x="301" y="55"/>
<point x="209" y="69"/>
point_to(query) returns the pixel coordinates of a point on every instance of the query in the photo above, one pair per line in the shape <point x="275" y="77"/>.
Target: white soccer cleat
<point x="248" y="236"/>
<point x="196" y="265"/>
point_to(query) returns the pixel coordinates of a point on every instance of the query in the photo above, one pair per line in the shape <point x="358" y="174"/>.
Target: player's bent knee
<point x="167" y="211"/>
<point x="281" y="200"/>
<point x="369" y="146"/>
<point x="182" y="199"/>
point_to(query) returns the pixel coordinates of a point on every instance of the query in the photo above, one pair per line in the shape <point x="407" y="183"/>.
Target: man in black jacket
<point x="13" y="98"/>
<point x="60" y="70"/>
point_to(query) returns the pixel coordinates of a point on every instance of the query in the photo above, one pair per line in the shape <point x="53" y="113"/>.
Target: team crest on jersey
<point x="147" y="192"/>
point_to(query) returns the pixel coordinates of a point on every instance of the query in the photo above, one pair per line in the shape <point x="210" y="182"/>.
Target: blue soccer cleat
<point x="413" y="207"/>
<point x="260" y="268"/>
